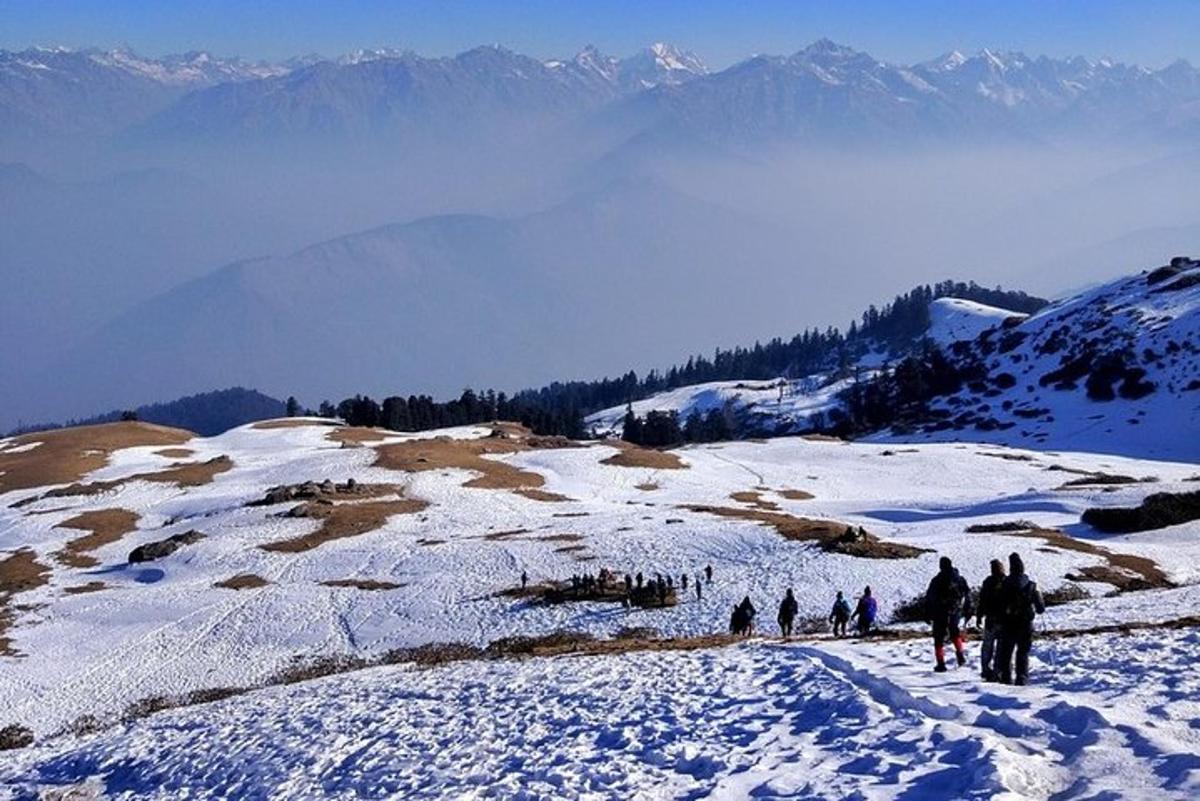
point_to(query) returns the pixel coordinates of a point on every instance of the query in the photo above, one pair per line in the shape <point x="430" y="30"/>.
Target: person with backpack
<point x="988" y="615"/>
<point x="947" y="601"/>
<point x="1020" y="602"/>
<point x="788" y="609"/>
<point x="840" y="615"/>
<point x="747" y="611"/>
<point x="865" y="612"/>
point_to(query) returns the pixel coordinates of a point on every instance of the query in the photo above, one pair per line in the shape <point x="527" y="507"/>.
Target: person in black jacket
<point x="788" y="609"/>
<point x="988" y="615"/>
<point x="947" y="601"/>
<point x="1020" y="602"/>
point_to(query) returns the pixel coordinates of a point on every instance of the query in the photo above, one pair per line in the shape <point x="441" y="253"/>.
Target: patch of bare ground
<point x="342" y="520"/>
<point x="106" y="526"/>
<point x="81" y="589"/>
<point x="821" y="438"/>
<point x="1124" y="572"/>
<point x="442" y="453"/>
<point x="830" y="535"/>
<point x="183" y="475"/>
<point x="66" y="455"/>
<point x="356" y="435"/>
<point x="20" y="572"/>
<point x="1101" y="480"/>
<point x="646" y="486"/>
<point x="795" y="494"/>
<point x="755" y="499"/>
<point x="542" y="495"/>
<point x="561" y="538"/>
<point x="1009" y="457"/>
<point x="294" y="422"/>
<point x="571" y="548"/>
<point x="372" y="585"/>
<point x="504" y="535"/>
<point x="242" y="581"/>
<point x="630" y="455"/>
<point x="571" y="514"/>
<point x="175" y="453"/>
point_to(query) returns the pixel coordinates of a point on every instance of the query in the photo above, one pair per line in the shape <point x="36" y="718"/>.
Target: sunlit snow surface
<point x="672" y="724"/>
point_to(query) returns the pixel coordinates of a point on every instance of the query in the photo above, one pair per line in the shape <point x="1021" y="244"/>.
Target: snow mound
<point x="957" y="320"/>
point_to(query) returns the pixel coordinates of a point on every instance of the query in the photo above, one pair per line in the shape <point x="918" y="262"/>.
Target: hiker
<point x="699" y="593"/>
<point x="708" y="573"/>
<point x="788" y="609"/>
<point x="840" y="615"/>
<point x="735" y="621"/>
<point x="670" y="582"/>
<point x="748" y="612"/>
<point x="628" y="584"/>
<point x="947" y="601"/>
<point x="662" y="592"/>
<point x="639" y="580"/>
<point x="988" y="615"/>
<point x="683" y="580"/>
<point x="524" y="580"/>
<point x="1019" y="602"/>
<point x="865" y="612"/>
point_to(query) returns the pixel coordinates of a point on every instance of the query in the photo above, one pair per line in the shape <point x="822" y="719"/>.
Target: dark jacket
<point x="989" y="599"/>
<point x="1019" y="600"/>
<point x="788" y="608"/>
<point x="948" y="596"/>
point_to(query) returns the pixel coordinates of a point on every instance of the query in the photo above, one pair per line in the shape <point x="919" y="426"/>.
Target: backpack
<point x="1018" y="600"/>
<point x="948" y="595"/>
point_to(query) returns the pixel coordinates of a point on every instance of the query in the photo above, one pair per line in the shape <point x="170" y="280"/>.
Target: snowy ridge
<point x="956" y="320"/>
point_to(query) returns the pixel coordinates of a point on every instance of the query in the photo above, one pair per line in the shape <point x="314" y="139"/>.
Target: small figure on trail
<point x="840" y="615"/>
<point x="699" y="593"/>
<point x="735" y="621"/>
<point x="708" y="573"/>
<point x="683" y="580"/>
<point x="639" y="580"/>
<point x="865" y="612"/>
<point x="662" y="592"/>
<point x="575" y="581"/>
<point x="524" y="580"/>
<point x="947" y="601"/>
<point x="748" y="612"/>
<point x="988" y="614"/>
<point x="1020" y="603"/>
<point x="628" y="584"/>
<point x="788" y="609"/>
<point x="670" y="581"/>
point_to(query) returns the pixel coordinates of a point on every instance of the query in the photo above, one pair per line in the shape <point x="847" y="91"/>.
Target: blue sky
<point x="1151" y="33"/>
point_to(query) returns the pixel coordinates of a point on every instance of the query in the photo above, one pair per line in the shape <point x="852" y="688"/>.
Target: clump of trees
<point x="661" y="429"/>
<point x="422" y="413"/>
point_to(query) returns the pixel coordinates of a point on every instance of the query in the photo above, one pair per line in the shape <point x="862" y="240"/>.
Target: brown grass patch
<point x="342" y="520"/>
<point x="571" y="548"/>
<point x="442" y="453"/>
<point x="183" y="475"/>
<point x="630" y="455"/>
<point x="292" y="422"/>
<point x="795" y="494"/>
<point x="372" y="585"/>
<point x="91" y="586"/>
<point x="175" y="453"/>
<point x="821" y="438"/>
<point x="755" y="499"/>
<point x="356" y="435"/>
<point x="646" y="486"/>
<point x="242" y="581"/>
<point x="504" y="535"/>
<point x="106" y="526"/>
<point x="542" y="495"/>
<point x="830" y="535"/>
<point x="20" y="572"/>
<point x="66" y="455"/>
<point x="561" y="538"/>
<point x="1124" y="571"/>
<point x="1099" y="480"/>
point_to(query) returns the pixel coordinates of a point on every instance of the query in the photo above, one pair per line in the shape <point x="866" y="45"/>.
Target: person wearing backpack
<point x="1020" y="602"/>
<point x="947" y="601"/>
<point x="840" y="615"/>
<point x="865" y="612"/>
<point x="989" y="616"/>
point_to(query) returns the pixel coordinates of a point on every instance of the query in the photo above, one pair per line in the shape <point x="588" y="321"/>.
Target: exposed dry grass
<point x="795" y="494"/>
<point x="342" y="520"/>
<point x="106" y="526"/>
<point x="20" y="572"/>
<point x="561" y="538"/>
<point x="183" y="475"/>
<point x="91" y="586"/>
<point x="242" y="581"/>
<point x="443" y="453"/>
<point x="829" y="534"/>
<point x="755" y="499"/>
<point x="647" y="486"/>
<point x="175" y="453"/>
<point x="630" y="455"/>
<point x="1124" y="571"/>
<point x="292" y="422"/>
<point x="354" y="435"/>
<point x="543" y="495"/>
<point x="372" y="585"/>
<point x="66" y="455"/>
<point x="1099" y="480"/>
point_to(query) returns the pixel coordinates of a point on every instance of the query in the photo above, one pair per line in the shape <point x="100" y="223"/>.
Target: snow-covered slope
<point x="1116" y="368"/>
<point x="955" y="320"/>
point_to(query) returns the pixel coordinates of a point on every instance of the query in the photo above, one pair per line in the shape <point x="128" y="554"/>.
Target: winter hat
<point x="1015" y="565"/>
<point x="945" y="563"/>
<point x="997" y="567"/>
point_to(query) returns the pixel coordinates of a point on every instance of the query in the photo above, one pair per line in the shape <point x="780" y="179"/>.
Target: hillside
<point x="149" y="568"/>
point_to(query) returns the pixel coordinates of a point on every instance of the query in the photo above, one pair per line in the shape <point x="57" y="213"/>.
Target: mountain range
<point x="825" y="91"/>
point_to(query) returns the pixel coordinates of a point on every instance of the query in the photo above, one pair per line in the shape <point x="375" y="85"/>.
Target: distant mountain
<point x="207" y="414"/>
